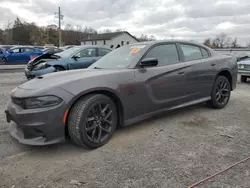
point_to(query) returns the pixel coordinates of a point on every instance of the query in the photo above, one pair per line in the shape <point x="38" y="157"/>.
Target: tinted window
<point x="191" y="52"/>
<point x="28" y="50"/>
<point x="204" y="52"/>
<point x="103" y="52"/>
<point x="15" y="50"/>
<point x="89" y="52"/>
<point x="166" y="54"/>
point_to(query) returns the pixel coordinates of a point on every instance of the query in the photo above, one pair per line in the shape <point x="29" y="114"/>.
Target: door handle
<point x="212" y="64"/>
<point x="182" y="72"/>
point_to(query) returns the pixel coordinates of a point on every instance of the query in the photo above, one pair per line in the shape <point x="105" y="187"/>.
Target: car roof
<point x="92" y="46"/>
<point x="167" y="41"/>
<point x="23" y="47"/>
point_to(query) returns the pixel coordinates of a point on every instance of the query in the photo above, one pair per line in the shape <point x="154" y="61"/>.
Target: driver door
<point x="83" y="59"/>
<point x="14" y="55"/>
<point x="163" y="85"/>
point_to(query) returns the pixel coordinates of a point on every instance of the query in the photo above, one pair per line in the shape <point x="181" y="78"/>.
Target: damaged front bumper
<point x="34" y="73"/>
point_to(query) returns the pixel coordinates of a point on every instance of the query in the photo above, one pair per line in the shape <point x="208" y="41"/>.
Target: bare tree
<point x="207" y="42"/>
<point x="234" y="43"/>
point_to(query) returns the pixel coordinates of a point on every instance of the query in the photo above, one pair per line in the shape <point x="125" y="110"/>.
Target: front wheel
<point x="59" y="69"/>
<point x="92" y="121"/>
<point x="243" y="79"/>
<point x="3" y="61"/>
<point x="221" y="93"/>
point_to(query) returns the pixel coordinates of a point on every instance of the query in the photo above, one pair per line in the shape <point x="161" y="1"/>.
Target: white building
<point x="112" y="40"/>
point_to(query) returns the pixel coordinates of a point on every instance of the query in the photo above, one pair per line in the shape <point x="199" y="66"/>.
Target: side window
<point x="16" y="50"/>
<point x="28" y="50"/>
<point x="89" y="52"/>
<point x="191" y="52"/>
<point x="166" y="54"/>
<point x="103" y="52"/>
<point x="204" y="52"/>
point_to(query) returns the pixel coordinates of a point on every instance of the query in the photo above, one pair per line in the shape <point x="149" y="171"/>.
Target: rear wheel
<point x="243" y="79"/>
<point x="92" y="121"/>
<point x="221" y="93"/>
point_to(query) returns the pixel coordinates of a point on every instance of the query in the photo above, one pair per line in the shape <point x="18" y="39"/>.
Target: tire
<point x="220" y="83"/>
<point x="59" y="69"/>
<point x="243" y="79"/>
<point x="3" y="61"/>
<point x="83" y="117"/>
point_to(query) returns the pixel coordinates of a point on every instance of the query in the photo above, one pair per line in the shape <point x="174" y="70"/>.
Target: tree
<point x="20" y="32"/>
<point x="234" y="43"/>
<point x="207" y="42"/>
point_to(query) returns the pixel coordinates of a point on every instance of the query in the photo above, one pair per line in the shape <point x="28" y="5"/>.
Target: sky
<point x="180" y="19"/>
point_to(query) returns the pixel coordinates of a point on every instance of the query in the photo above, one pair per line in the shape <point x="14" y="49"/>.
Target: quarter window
<point x="166" y="54"/>
<point x="28" y="50"/>
<point x="204" y="52"/>
<point x="191" y="52"/>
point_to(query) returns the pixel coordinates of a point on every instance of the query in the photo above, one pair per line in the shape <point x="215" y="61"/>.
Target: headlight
<point x="241" y="66"/>
<point x="41" y="102"/>
<point x="40" y="65"/>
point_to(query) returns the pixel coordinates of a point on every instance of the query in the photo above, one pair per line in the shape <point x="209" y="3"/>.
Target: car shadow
<point x="68" y="148"/>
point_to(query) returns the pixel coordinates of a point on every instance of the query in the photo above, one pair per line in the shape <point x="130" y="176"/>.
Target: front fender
<point x="93" y="90"/>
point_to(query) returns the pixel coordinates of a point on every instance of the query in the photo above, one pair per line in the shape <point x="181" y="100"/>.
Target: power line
<point x="60" y="17"/>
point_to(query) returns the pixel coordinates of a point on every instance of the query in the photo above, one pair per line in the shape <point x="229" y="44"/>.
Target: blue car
<point x="19" y="55"/>
<point x="77" y="57"/>
<point x="244" y="69"/>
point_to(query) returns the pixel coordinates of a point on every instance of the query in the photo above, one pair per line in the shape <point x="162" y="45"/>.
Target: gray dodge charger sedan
<point x="129" y="84"/>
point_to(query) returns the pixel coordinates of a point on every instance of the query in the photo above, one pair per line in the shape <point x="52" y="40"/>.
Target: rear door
<point x="201" y="71"/>
<point x="162" y="86"/>
<point x="86" y="57"/>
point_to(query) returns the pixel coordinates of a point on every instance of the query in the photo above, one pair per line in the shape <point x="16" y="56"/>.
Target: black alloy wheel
<point x="99" y="122"/>
<point x="221" y="92"/>
<point x="92" y="121"/>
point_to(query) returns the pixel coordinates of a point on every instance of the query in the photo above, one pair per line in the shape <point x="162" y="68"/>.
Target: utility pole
<point x="60" y="17"/>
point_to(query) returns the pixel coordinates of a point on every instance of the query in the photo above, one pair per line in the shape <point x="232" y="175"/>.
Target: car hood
<point x="66" y="77"/>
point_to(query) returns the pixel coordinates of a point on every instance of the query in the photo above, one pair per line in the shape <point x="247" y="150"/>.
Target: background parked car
<point x="78" y="57"/>
<point x="244" y="69"/>
<point x="20" y="55"/>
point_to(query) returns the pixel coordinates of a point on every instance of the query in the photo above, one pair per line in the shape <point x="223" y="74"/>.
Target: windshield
<point x="68" y="52"/>
<point x="120" y="58"/>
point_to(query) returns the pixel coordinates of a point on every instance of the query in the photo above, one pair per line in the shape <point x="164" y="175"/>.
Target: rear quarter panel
<point x="228" y="63"/>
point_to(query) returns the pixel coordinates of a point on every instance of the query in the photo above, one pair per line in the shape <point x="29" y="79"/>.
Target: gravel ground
<point x="172" y="150"/>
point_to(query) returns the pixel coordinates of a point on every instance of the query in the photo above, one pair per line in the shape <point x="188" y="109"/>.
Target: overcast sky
<point x="182" y="19"/>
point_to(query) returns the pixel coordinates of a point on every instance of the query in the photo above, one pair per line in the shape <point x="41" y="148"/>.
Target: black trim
<point x="190" y="44"/>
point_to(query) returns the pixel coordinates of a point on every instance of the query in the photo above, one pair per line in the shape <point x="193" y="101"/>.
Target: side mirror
<point x="149" y="62"/>
<point x="75" y="57"/>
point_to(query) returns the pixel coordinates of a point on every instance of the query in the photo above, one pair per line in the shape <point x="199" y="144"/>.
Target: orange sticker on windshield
<point x="135" y="50"/>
